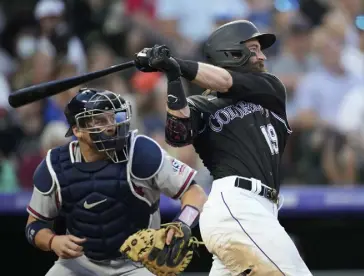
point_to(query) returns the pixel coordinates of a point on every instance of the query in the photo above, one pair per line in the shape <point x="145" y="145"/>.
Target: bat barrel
<point x="44" y="90"/>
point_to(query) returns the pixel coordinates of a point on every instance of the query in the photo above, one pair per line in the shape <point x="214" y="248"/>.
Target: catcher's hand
<point x="149" y="247"/>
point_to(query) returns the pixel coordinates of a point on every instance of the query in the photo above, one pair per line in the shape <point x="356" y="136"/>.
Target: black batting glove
<point x="161" y="59"/>
<point x="141" y="61"/>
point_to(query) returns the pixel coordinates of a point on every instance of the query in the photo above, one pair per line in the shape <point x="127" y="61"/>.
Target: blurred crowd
<point x="319" y="56"/>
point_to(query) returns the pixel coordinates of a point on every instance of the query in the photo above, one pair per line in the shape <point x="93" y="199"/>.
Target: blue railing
<point x="298" y="200"/>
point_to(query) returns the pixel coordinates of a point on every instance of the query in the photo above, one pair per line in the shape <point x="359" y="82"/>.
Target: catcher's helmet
<point x="225" y="46"/>
<point x="106" y="117"/>
<point x="77" y="105"/>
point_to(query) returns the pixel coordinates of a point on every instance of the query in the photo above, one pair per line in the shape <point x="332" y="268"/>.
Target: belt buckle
<point x="273" y="195"/>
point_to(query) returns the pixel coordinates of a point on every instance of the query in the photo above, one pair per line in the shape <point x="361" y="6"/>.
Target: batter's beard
<point x="256" y="67"/>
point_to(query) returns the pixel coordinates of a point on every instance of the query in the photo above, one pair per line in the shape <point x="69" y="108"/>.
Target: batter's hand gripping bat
<point x="47" y="89"/>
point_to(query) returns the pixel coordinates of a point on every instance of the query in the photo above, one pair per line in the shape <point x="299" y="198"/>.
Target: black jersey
<point x="244" y="131"/>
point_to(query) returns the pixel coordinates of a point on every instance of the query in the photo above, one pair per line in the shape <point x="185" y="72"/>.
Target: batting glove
<point x="141" y="61"/>
<point x="161" y="59"/>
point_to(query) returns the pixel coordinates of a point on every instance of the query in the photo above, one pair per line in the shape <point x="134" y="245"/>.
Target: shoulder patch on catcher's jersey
<point x="147" y="158"/>
<point x="42" y="179"/>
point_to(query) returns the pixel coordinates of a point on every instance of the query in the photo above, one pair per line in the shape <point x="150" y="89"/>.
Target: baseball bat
<point x="47" y="89"/>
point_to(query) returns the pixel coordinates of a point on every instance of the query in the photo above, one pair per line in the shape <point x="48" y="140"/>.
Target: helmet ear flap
<point x="246" y="54"/>
<point x="236" y="58"/>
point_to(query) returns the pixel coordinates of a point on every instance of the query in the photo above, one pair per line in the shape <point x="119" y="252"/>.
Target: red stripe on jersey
<point x="188" y="180"/>
<point x="36" y="214"/>
<point x="138" y="190"/>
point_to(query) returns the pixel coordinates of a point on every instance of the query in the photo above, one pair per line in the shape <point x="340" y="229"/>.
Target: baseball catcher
<point x="107" y="185"/>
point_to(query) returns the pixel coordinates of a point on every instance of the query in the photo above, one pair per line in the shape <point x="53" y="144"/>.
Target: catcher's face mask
<point x="107" y="119"/>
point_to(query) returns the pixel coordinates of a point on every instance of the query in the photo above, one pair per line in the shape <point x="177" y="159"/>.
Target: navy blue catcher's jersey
<point x="244" y="131"/>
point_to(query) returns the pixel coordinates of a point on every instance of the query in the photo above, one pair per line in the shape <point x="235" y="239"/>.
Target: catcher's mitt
<point x="148" y="246"/>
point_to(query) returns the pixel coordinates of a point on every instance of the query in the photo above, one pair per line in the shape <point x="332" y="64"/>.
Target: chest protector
<point x="98" y="203"/>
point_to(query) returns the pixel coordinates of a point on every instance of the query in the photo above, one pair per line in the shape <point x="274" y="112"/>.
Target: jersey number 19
<point x="271" y="137"/>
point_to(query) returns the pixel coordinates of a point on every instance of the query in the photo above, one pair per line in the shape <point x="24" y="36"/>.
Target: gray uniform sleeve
<point x="174" y="177"/>
<point x="153" y="171"/>
<point x="44" y="203"/>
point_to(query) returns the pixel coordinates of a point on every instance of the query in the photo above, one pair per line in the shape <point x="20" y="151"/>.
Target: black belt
<point x="265" y="191"/>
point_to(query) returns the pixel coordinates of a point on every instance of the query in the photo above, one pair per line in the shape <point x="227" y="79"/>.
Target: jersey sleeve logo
<point x="178" y="167"/>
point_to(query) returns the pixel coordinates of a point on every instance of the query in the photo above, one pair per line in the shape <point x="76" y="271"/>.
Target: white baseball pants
<point x="242" y="231"/>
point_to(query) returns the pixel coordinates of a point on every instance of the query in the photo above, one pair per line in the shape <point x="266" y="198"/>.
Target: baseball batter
<point x="107" y="185"/>
<point x="240" y="130"/>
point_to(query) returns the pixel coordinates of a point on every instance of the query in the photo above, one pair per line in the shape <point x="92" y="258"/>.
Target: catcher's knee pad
<point x="240" y="255"/>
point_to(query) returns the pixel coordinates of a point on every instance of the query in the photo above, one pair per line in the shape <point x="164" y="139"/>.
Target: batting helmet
<point x="225" y="46"/>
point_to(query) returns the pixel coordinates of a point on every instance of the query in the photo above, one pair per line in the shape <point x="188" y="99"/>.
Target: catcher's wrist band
<point x="50" y="242"/>
<point x="189" y="68"/>
<point x="33" y="228"/>
<point x="176" y="95"/>
<point x="189" y="215"/>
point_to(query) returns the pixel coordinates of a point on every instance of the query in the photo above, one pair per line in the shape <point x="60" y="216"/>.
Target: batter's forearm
<point x="177" y="100"/>
<point x="180" y="129"/>
<point x="205" y="75"/>
<point x="212" y="77"/>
